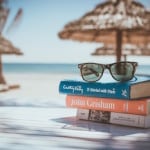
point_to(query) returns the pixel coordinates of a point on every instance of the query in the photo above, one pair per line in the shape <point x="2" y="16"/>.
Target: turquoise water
<point x="39" y="68"/>
<point x="54" y="68"/>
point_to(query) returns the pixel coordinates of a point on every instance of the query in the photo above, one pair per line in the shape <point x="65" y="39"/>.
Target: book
<point x="138" y="87"/>
<point x="114" y="118"/>
<point x="139" y="107"/>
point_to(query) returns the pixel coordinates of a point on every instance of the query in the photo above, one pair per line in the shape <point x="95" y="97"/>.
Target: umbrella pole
<point x="2" y="80"/>
<point x="118" y="45"/>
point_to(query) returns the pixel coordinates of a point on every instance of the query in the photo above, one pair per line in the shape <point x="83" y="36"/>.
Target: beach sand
<point x="35" y="90"/>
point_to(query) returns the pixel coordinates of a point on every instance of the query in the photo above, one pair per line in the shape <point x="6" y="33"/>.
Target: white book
<point x="114" y="118"/>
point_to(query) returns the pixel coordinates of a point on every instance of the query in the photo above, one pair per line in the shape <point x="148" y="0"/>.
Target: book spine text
<point x="95" y="89"/>
<point x="140" y="107"/>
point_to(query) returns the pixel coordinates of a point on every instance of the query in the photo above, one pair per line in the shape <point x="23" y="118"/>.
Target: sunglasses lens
<point x="122" y="71"/>
<point x="91" y="72"/>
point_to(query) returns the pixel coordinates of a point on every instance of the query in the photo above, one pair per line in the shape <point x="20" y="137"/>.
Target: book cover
<point x="138" y="87"/>
<point x="114" y="118"/>
<point x="140" y="107"/>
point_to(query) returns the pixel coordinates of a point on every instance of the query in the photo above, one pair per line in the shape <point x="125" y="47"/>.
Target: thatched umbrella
<point x="6" y="47"/>
<point x="127" y="49"/>
<point x="112" y="22"/>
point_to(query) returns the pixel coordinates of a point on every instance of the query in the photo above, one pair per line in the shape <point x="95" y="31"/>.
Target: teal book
<point x="107" y="87"/>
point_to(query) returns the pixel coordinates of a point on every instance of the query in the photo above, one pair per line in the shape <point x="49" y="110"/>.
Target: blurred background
<point x="36" y="33"/>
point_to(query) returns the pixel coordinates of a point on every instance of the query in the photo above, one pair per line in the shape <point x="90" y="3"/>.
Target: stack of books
<point x="109" y="101"/>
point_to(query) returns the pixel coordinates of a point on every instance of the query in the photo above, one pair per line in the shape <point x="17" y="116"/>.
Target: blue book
<point x="137" y="88"/>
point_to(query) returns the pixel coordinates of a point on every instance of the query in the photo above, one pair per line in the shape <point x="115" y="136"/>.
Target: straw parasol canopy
<point x="127" y="49"/>
<point x="6" y="47"/>
<point x="115" y="22"/>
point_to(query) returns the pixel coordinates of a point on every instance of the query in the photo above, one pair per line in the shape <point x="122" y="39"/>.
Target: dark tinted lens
<point x="91" y="72"/>
<point x="122" y="71"/>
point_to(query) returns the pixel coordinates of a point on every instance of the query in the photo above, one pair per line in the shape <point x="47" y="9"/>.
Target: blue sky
<point x="37" y="33"/>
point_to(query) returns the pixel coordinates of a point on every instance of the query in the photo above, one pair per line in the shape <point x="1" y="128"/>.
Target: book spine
<point x="112" y="90"/>
<point x="114" y="118"/>
<point x="139" y="107"/>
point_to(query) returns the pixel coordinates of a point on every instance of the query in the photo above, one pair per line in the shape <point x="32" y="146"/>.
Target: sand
<point x="35" y="90"/>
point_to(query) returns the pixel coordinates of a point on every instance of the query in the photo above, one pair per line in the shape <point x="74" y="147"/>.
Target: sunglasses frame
<point x="108" y="66"/>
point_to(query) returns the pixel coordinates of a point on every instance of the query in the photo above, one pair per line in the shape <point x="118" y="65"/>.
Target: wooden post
<point x="118" y="45"/>
<point x="2" y="80"/>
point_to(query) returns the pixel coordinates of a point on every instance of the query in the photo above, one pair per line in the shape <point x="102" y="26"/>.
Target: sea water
<point x="54" y="68"/>
<point x="39" y="68"/>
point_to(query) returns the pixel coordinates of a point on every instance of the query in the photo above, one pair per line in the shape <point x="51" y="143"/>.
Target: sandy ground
<point x="28" y="128"/>
<point x="35" y="89"/>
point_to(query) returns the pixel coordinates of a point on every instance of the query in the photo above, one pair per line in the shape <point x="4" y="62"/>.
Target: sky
<point x="37" y="33"/>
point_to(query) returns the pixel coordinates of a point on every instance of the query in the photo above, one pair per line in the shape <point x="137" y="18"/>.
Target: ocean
<point x="54" y="68"/>
<point x="39" y="68"/>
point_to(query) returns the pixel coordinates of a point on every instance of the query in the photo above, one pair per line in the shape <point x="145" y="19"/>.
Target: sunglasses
<point x="120" y="71"/>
